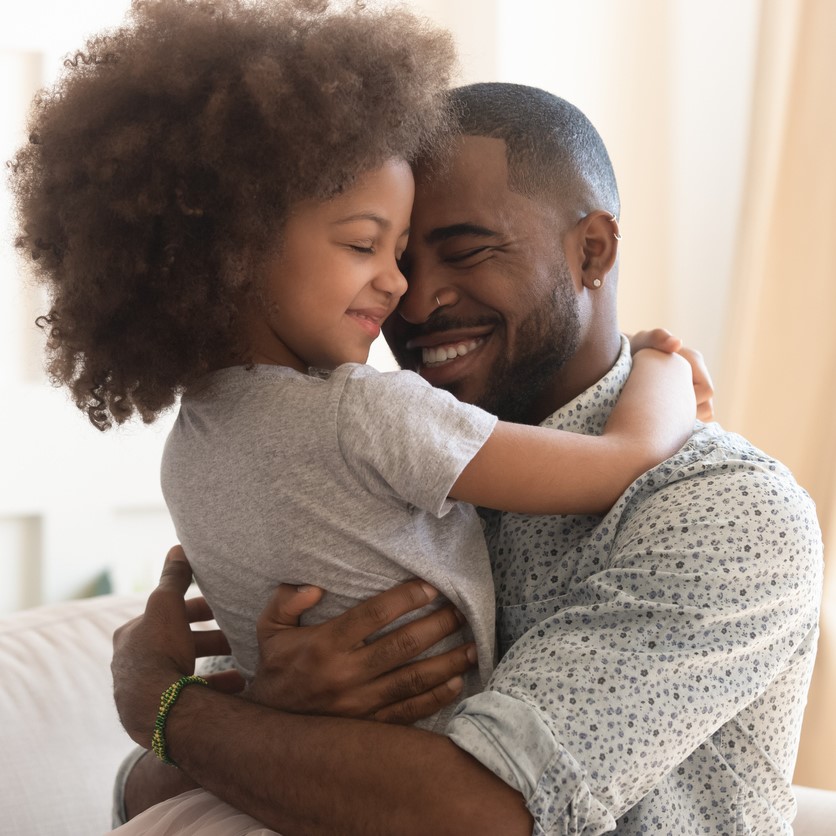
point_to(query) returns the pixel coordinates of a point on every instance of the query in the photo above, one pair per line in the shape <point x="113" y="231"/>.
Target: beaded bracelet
<point x="167" y="700"/>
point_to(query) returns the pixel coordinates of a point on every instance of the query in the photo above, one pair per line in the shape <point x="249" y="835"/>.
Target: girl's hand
<point x="663" y="340"/>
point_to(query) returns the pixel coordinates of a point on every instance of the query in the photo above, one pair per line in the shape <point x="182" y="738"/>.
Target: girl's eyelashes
<point x="370" y="250"/>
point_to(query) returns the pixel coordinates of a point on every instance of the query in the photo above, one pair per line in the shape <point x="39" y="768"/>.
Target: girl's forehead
<point x="382" y="196"/>
<point x="387" y="186"/>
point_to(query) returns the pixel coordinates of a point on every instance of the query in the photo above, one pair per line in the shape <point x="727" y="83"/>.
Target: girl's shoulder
<point x="401" y="399"/>
<point x="361" y="374"/>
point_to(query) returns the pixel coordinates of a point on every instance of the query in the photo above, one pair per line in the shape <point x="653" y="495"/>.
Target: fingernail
<point x="306" y="587"/>
<point x="455" y="684"/>
<point x="471" y="655"/>
<point x="430" y="591"/>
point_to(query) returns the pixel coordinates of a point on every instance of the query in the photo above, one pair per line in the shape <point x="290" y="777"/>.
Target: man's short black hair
<point x="554" y="152"/>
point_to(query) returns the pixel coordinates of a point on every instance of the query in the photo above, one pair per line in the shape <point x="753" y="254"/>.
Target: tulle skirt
<point x="194" y="813"/>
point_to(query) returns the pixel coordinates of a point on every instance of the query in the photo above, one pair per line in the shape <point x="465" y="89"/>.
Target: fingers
<point x="419" y="708"/>
<point x="411" y="692"/>
<point x="355" y="625"/>
<point x="210" y="643"/>
<point x="425" y="675"/>
<point x="288" y="604"/>
<point x="658" y="338"/>
<point x="177" y="574"/>
<point x="703" y="385"/>
<point x="197" y="609"/>
<point x="329" y="669"/>
<point x="705" y="410"/>
<point x="400" y="646"/>
<point x="229" y="682"/>
<point x="421" y="689"/>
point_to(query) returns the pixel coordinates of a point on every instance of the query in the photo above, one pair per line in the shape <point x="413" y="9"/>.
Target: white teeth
<point x="444" y="353"/>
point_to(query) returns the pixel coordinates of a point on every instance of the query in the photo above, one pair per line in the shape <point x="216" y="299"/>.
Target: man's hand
<point x="299" y="774"/>
<point x="663" y="340"/>
<point x="330" y="669"/>
<point x="158" y="647"/>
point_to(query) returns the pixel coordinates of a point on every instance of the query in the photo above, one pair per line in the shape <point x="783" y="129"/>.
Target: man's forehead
<point x="472" y="188"/>
<point x="476" y="160"/>
<point x="472" y="179"/>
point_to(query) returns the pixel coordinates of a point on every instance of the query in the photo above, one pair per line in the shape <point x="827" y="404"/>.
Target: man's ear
<point x="597" y="238"/>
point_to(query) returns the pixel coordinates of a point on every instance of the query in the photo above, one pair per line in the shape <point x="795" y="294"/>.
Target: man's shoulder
<point x="720" y="479"/>
<point x="717" y="453"/>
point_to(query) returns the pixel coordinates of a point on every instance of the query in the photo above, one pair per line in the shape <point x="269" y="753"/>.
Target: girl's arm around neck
<point x="534" y="470"/>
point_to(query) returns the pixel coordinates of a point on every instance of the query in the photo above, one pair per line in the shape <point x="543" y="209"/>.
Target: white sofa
<point x="60" y="738"/>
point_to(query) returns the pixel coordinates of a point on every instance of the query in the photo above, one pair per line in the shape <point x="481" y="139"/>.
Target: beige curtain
<point x="780" y="381"/>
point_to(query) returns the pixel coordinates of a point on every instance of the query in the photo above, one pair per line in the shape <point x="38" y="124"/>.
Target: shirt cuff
<point x="505" y="735"/>
<point x="509" y="737"/>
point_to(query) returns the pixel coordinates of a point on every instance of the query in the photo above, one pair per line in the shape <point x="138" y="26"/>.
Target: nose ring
<point x="437" y="303"/>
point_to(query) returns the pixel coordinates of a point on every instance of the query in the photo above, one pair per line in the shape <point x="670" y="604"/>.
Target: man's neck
<point x="595" y="357"/>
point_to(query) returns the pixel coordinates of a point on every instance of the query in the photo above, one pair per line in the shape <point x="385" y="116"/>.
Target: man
<point x="655" y="660"/>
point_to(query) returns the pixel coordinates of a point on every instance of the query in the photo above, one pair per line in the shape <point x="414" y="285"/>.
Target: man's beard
<point x="545" y="341"/>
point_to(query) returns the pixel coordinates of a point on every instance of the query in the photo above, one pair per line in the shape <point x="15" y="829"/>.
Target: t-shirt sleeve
<point x="403" y="438"/>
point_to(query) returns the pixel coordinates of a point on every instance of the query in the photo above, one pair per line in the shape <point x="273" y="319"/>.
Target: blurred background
<point x="720" y="119"/>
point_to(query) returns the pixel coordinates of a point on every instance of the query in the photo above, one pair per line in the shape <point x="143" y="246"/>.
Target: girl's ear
<point x="597" y="240"/>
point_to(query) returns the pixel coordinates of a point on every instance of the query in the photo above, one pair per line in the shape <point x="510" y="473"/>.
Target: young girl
<point x="217" y="196"/>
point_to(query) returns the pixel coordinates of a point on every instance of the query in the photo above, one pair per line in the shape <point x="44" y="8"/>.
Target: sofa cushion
<point x="60" y="737"/>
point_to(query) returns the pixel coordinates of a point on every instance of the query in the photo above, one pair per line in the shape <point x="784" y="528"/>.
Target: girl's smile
<point x="335" y="276"/>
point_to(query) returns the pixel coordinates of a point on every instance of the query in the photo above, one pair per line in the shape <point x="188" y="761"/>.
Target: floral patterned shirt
<point x="656" y="659"/>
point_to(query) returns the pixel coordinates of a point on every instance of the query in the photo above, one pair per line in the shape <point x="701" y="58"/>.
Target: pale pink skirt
<point x="194" y="813"/>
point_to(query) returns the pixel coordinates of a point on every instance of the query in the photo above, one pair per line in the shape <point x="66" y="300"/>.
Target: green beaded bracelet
<point x="167" y="700"/>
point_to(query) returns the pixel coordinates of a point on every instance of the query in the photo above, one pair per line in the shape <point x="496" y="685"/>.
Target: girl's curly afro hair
<point x="161" y="167"/>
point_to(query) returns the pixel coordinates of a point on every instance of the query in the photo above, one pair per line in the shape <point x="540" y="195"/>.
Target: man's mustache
<point x="404" y="331"/>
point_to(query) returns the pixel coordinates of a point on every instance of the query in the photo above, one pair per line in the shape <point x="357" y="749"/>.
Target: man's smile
<point x="444" y="348"/>
<point x="436" y="356"/>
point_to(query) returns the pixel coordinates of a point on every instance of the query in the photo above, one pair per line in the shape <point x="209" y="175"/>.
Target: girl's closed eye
<point x="366" y="249"/>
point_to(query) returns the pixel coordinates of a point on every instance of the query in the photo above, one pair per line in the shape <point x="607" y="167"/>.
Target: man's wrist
<point x="136" y="693"/>
<point x="149" y="782"/>
<point x="185" y="725"/>
<point x="167" y="701"/>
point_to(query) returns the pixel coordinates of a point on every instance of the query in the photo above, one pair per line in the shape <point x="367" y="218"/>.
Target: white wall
<point x="74" y="503"/>
<point x="667" y="82"/>
<point x="668" y="85"/>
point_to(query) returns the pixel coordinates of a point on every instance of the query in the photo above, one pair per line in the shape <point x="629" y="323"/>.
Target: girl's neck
<point x="263" y="346"/>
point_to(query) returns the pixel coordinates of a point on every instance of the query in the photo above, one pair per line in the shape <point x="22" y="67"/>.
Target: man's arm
<point x="299" y="774"/>
<point x="321" y="775"/>
<point x="701" y="619"/>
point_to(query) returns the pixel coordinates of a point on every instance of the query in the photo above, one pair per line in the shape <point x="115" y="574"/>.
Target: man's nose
<point x="424" y="296"/>
<point x="416" y="305"/>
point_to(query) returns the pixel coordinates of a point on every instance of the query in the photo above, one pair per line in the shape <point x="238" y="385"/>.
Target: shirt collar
<point x="589" y="412"/>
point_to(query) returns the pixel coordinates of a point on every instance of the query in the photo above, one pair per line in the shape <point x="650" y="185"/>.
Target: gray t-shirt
<point x="272" y="476"/>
